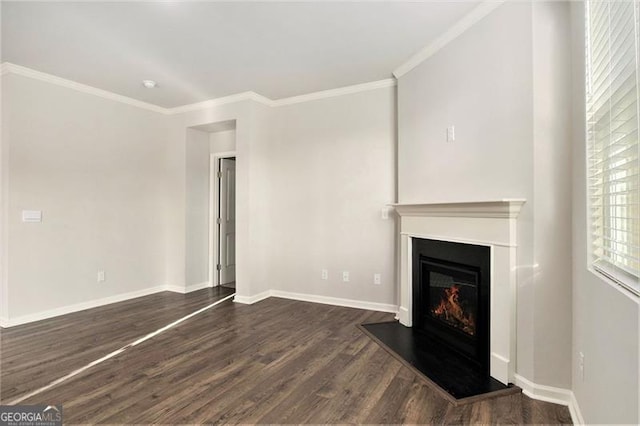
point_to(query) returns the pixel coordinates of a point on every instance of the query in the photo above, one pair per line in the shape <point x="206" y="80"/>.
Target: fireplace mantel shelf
<point x="507" y="208"/>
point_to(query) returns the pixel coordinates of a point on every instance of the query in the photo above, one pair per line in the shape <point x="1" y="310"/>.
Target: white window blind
<point x="613" y="172"/>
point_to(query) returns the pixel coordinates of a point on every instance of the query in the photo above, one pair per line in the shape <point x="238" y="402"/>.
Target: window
<point x="613" y="171"/>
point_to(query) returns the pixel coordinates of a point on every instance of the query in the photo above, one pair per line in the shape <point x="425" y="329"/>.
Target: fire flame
<point x="451" y="311"/>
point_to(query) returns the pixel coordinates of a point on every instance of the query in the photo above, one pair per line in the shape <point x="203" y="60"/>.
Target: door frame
<point x="214" y="207"/>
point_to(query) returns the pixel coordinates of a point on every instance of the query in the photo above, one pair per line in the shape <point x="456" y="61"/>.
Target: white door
<point x="227" y="221"/>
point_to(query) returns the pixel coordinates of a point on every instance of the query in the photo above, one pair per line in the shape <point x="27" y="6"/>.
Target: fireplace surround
<point x="491" y="225"/>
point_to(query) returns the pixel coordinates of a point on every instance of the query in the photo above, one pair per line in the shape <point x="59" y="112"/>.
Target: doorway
<point x="226" y="221"/>
<point x="223" y="219"/>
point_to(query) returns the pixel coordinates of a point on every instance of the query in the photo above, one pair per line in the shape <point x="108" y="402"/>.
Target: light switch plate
<point x="451" y="133"/>
<point x="31" y="216"/>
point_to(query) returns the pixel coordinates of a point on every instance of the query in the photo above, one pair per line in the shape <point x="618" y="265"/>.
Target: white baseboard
<point x="372" y="306"/>
<point x="189" y="288"/>
<point x="551" y="394"/>
<point x="11" y="322"/>
<point x="403" y="316"/>
<point x="325" y="300"/>
<point x="336" y="301"/>
<point x="499" y="367"/>
<point x="574" y="409"/>
<point x="249" y="300"/>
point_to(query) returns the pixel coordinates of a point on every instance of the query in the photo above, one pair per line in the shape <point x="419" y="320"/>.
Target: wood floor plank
<point x="277" y="361"/>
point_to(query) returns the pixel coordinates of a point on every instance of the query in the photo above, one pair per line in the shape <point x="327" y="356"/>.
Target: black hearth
<point x="448" y="344"/>
<point x="451" y="297"/>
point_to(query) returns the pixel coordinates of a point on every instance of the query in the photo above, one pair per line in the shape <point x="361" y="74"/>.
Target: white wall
<point x="308" y="205"/>
<point x="552" y="159"/>
<point x="224" y="141"/>
<point x="199" y="145"/>
<point x="96" y="169"/>
<point x="332" y="168"/>
<point x="126" y="190"/>
<point x="197" y="205"/>
<point x="605" y="319"/>
<point x="506" y="147"/>
<point x="251" y="139"/>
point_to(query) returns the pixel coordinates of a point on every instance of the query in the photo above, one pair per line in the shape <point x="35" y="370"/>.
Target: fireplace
<point x="451" y="296"/>
<point x="491" y="225"/>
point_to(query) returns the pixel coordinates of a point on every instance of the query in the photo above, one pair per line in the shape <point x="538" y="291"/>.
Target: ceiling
<point x="203" y="50"/>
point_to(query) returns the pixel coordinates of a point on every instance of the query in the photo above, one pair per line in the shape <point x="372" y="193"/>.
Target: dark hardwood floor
<point x="277" y="361"/>
<point x="33" y="355"/>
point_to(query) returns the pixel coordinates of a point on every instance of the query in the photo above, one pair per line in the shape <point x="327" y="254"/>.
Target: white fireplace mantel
<point x="489" y="223"/>
<point x="506" y="208"/>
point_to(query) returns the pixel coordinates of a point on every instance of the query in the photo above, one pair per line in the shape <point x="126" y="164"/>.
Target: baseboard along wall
<point x="551" y="394"/>
<point x="325" y="300"/>
<point x="39" y="316"/>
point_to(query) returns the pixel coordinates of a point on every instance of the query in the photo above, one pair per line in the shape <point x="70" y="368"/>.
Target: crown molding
<point x="238" y="97"/>
<point x="347" y="90"/>
<point x="8" y="67"/>
<point x="466" y="22"/>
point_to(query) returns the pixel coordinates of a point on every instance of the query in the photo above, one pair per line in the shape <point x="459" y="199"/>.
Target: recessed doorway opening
<point x="211" y="205"/>
<point x="222" y="204"/>
<point x="224" y="223"/>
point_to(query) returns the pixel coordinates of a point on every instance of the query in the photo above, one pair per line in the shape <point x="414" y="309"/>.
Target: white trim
<point x="574" y="409"/>
<point x="542" y="392"/>
<point x="324" y="300"/>
<point x="499" y="365"/>
<point x="8" y="67"/>
<point x="551" y="394"/>
<point x="403" y="316"/>
<point x="189" y="288"/>
<point x="199" y="286"/>
<point x="327" y="300"/>
<point x="467" y="21"/>
<point x="626" y="292"/>
<point x="38" y="316"/>
<point x="249" y="300"/>
<point x="324" y="94"/>
<point x="214" y="206"/>
<point x="508" y="208"/>
<point x="238" y="97"/>
<point x="458" y="240"/>
<point x="176" y="289"/>
<point x="4" y="323"/>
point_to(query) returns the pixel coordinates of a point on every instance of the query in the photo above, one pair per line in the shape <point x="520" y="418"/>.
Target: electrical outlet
<point x="101" y="276"/>
<point x="325" y="274"/>
<point x="345" y="276"/>
<point x="581" y="365"/>
<point x="377" y="279"/>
